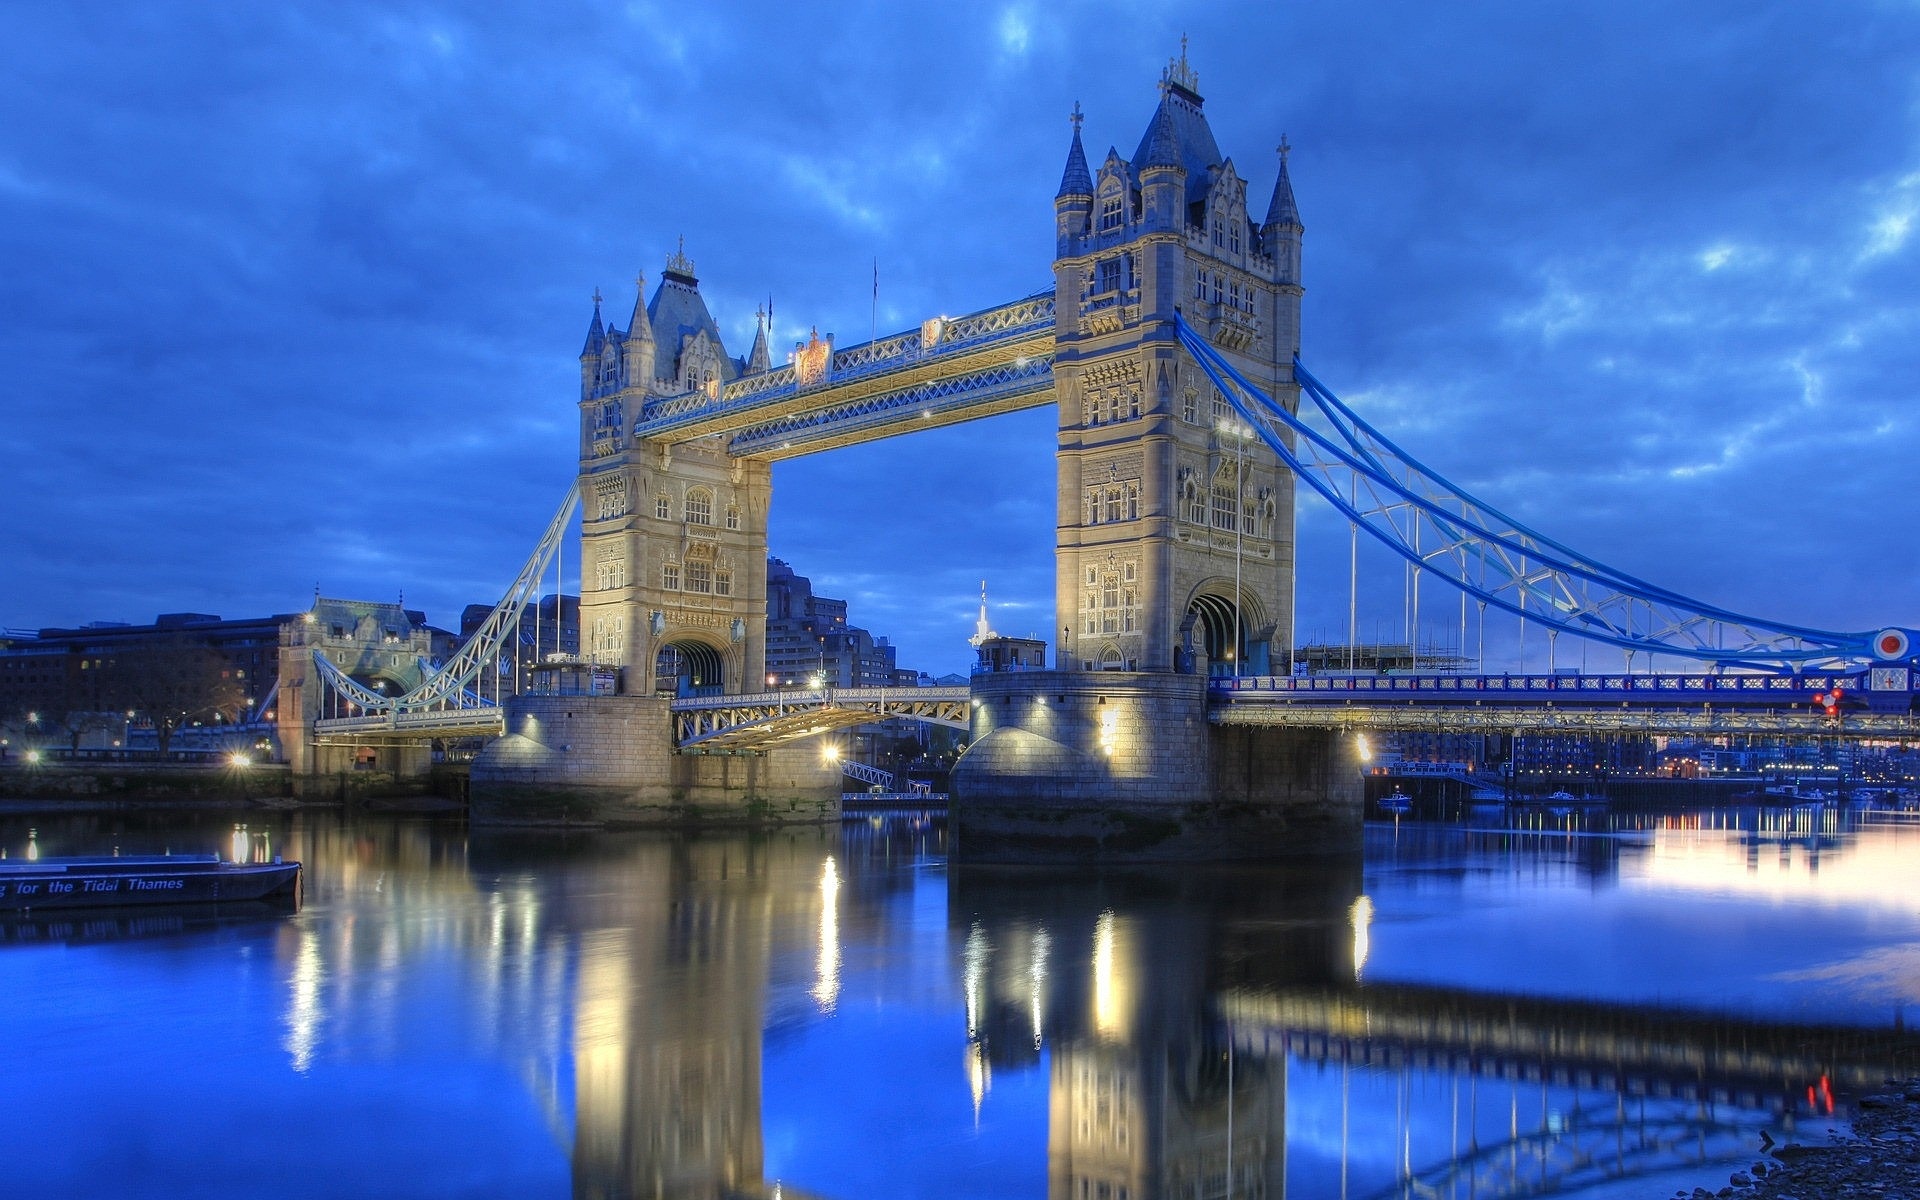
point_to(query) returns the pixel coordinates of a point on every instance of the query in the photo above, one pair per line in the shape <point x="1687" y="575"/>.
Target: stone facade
<point x="609" y="760"/>
<point x="379" y="645"/>
<point x="1175" y="529"/>
<point x="1067" y="764"/>
<point x="673" y="541"/>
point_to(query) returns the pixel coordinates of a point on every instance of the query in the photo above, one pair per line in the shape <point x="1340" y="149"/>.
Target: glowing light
<point x="1109" y="978"/>
<point x="240" y="760"/>
<point x="1361" y="917"/>
<point x="973" y="976"/>
<point x="1362" y="748"/>
<point x="1037" y="979"/>
<point x="826" y="986"/>
<point x="304" y="1012"/>
<point x="33" y="757"/>
<point x="1109" y="729"/>
<point x="831" y="753"/>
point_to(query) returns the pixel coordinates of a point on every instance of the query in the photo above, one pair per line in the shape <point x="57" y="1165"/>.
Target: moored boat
<point x="89" y="882"/>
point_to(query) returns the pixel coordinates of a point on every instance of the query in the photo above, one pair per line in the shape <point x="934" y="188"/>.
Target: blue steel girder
<point x="948" y="371"/>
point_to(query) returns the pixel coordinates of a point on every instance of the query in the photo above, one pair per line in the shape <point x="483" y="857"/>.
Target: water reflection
<point x="633" y="1016"/>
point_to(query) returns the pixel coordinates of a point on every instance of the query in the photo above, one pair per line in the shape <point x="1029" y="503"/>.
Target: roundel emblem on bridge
<point x="1890" y="644"/>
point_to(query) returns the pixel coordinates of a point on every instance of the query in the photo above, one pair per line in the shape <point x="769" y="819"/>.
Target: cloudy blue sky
<point x="292" y="293"/>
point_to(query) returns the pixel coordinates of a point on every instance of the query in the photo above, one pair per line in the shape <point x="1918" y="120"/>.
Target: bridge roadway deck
<point x="948" y="371"/>
<point x="764" y="720"/>
<point x="410" y="728"/>
<point x="1776" y="705"/>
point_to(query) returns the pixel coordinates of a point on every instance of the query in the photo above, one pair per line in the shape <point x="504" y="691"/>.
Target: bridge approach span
<point x="759" y="722"/>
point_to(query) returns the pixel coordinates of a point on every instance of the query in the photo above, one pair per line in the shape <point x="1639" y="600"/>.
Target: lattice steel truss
<point x="1475" y="547"/>
<point x="765" y="720"/>
<point x="454" y="685"/>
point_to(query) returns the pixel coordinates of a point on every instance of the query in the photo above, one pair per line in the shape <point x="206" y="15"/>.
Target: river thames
<point x="1616" y="1011"/>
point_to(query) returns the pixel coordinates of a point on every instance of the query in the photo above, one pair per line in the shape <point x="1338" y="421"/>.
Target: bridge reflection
<point x="1201" y="1030"/>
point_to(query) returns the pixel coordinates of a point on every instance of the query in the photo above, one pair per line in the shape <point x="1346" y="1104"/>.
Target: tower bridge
<point x="1172" y="723"/>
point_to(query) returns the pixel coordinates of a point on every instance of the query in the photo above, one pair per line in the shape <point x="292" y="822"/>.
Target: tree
<point x="173" y="682"/>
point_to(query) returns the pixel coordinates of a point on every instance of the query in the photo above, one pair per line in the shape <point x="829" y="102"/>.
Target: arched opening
<point x="1231" y="647"/>
<point x="688" y="669"/>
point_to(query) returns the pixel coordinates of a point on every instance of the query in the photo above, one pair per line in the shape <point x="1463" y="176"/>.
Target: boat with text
<point x="87" y="882"/>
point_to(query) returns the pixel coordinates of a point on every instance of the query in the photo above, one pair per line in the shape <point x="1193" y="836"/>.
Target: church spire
<point x="1281" y="210"/>
<point x="981" y="630"/>
<point x="596" y="332"/>
<point x="1076" y="180"/>
<point x="638" y="350"/>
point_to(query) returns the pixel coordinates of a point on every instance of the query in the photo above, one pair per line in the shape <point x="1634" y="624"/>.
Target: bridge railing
<point x="1441" y="687"/>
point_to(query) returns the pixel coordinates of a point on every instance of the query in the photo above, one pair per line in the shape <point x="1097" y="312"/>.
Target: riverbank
<point x="1879" y="1158"/>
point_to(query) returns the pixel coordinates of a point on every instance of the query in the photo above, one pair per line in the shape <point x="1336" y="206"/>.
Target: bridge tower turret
<point x="673" y="543"/>
<point x="1174" y="544"/>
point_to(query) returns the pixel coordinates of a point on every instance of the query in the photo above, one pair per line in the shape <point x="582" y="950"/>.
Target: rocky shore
<point x="1878" y="1160"/>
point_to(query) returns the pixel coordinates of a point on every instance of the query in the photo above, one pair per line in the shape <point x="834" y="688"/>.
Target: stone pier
<point x="609" y="760"/>
<point x="1118" y="765"/>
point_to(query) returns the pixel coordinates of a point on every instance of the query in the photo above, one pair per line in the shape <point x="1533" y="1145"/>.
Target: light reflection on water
<point x="839" y="1012"/>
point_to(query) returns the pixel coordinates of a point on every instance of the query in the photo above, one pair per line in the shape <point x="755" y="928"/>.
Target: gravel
<point x="1878" y="1160"/>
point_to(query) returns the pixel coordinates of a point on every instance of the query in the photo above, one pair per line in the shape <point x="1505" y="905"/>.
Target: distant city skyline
<point x="294" y="294"/>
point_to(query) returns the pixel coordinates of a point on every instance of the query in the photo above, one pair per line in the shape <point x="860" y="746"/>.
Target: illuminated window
<point x="699" y="507"/>
<point x="670" y="576"/>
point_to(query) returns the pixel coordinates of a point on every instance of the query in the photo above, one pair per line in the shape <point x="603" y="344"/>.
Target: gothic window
<point x="1225" y="497"/>
<point x="670" y="576"/>
<point x="1110" y="212"/>
<point x="1190" y="406"/>
<point x="1113" y="405"/>
<point x="1113" y="504"/>
<point x="699" y="576"/>
<point x="722" y="582"/>
<point x="1092" y="408"/>
<point x="1233" y="294"/>
<point x="699" y="507"/>
<point x="1109" y="275"/>
<point x="733" y="516"/>
<point x="1126" y="572"/>
<point x="1133" y="512"/>
<point x="1133" y="402"/>
<point x="1221" y="409"/>
<point x="1129" y="607"/>
<point x="1110" y="603"/>
<point x="1093" y="576"/>
<point x="611" y="573"/>
<point x="662" y="506"/>
<point x="610" y="371"/>
<point x="610" y="496"/>
<point x="1233" y="236"/>
<point x="1196" y="504"/>
<point x="1217" y="280"/>
<point x="1093" y="507"/>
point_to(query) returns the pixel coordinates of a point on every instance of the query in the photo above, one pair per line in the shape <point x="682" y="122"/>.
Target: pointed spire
<point x="758" y="359"/>
<point x="1281" y="210"/>
<point x="981" y="629"/>
<point x="640" y="328"/>
<point x="596" y="332"/>
<point x="1163" y="141"/>
<point x="1076" y="180"/>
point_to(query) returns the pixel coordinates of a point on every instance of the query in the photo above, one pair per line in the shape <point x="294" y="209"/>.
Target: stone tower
<point x="1175" y="531"/>
<point x="673" y="542"/>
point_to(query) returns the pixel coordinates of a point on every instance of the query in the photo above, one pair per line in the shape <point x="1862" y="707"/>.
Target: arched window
<point x="1111" y="211"/>
<point x="699" y="507"/>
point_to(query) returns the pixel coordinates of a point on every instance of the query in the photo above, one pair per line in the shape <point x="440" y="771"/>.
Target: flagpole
<point x="873" y="329"/>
